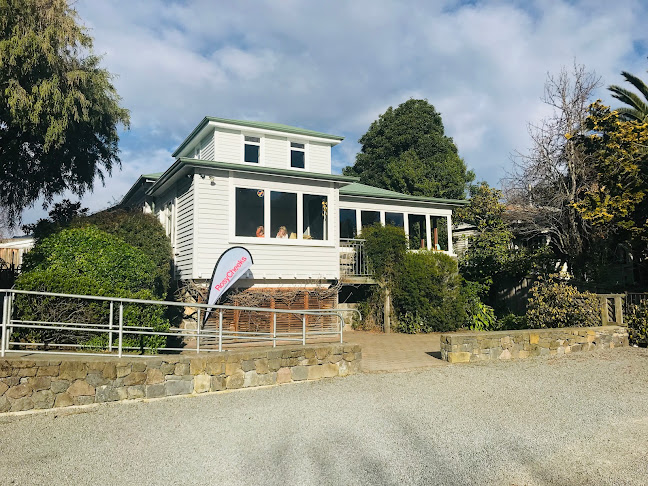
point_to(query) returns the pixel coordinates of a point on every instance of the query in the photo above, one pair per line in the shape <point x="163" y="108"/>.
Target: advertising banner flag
<point x="231" y="266"/>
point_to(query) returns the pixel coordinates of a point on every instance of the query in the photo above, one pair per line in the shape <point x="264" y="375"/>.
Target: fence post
<point x="121" y="328"/>
<point x="5" y="311"/>
<point x="220" y="330"/>
<point x="618" y="310"/>
<point x="198" y="333"/>
<point x="274" y="329"/>
<point x="604" y="309"/>
<point x="341" y="327"/>
<point x="110" y="327"/>
<point x="304" y="329"/>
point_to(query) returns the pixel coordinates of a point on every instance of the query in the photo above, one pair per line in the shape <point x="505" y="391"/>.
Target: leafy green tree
<point x="617" y="204"/>
<point x="406" y="150"/>
<point x="638" y="110"/>
<point x="490" y="248"/>
<point x="59" y="111"/>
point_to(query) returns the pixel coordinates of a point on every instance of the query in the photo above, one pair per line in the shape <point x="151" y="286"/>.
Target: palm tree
<point x="639" y="108"/>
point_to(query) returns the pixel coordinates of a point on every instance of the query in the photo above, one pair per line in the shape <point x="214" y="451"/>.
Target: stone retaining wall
<point x="38" y="381"/>
<point x="480" y="346"/>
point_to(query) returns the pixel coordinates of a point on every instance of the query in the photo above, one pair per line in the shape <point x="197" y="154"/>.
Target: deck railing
<point x="113" y="327"/>
<point x="353" y="259"/>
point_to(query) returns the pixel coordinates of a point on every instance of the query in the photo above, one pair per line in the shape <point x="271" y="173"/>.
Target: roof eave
<point x="182" y="162"/>
<point x="408" y="198"/>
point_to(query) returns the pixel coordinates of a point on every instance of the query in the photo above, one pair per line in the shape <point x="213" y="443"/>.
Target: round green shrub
<point x="142" y="231"/>
<point x="87" y="261"/>
<point x="554" y="303"/>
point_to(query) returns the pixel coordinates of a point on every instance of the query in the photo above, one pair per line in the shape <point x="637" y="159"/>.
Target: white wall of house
<point x="227" y="145"/>
<point x="285" y="259"/>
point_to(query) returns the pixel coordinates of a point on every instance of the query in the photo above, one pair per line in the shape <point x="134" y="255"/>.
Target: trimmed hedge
<point x="428" y="288"/>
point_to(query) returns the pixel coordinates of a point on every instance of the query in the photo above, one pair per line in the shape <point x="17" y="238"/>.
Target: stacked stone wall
<point x="45" y="382"/>
<point x="482" y="346"/>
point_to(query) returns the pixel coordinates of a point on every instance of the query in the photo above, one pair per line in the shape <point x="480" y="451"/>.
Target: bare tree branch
<point x="547" y="181"/>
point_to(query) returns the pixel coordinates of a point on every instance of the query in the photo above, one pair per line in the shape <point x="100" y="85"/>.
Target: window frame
<point x="267" y="238"/>
<point x="304" y="150"/>
<point x="260" y="144"/>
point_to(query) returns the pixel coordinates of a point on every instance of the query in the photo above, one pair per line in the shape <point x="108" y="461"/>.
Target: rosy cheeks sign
<point x="231" y="266"/>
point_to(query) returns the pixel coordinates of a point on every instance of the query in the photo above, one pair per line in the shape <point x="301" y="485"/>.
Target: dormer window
<point x="252" y="149"/>
<point x="297" y="155"/>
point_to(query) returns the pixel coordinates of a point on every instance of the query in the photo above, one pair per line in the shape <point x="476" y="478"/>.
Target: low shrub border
<point x="464" y="347"/>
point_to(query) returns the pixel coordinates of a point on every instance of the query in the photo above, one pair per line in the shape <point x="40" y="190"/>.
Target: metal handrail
<point x="120" y="329"/>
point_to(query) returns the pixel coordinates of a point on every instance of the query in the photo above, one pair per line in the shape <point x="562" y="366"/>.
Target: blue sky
<point x="335" y="66"/>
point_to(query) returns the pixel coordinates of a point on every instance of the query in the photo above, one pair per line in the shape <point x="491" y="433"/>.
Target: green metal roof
<point x="211" y="164"/>
<point x="138" y="183"/>
<point x="363" y="190"/>
<point x="253" y="124"/>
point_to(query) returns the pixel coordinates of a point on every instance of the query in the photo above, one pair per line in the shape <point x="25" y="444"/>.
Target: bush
<point x="142" y="231"/>
<point x="386" y="247"/>
<point x="428" y="288"/>
<point x="637" y="323"/>
<point x="553" y="303"/>
<point x="479" y="316"/>
<point x="87" y="261"/>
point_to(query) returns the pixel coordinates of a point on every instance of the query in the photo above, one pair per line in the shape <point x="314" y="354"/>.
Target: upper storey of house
<point x="268" y="145"/>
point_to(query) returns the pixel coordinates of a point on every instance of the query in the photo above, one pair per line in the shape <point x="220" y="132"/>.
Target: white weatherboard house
<point x="269" y="188"/>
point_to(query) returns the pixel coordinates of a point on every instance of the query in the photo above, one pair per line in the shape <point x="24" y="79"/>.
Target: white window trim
<point x="267" y="240"/>
<point x="261" y="148"/>
<point x="306" y="151"/>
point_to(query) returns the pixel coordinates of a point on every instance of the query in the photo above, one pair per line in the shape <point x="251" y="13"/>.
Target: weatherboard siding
<point x="215" y="221"/>
<point x="184" y="230"/>
<point x="319" y="158"/>
<point x="229" y="146"/>
<point x="276" y="152"/>
<point x="207" y="147"/>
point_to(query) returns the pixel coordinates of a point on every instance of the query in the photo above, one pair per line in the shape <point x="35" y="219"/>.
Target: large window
<point x="249" y="212"/>
<point x="297" y="155"/>
<point x="417" y="231"/>
<point x="367" y="218"/>
<point x="348" y="223"/>
<point x="252" y="149"/>
<point x="315" y="217"/>
<point x="283" y="215"/>
<point x="285" y="211"/>
<point x="395" y="219"/>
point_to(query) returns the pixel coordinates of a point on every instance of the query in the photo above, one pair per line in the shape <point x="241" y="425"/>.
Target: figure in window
<point x="282" y="233"/>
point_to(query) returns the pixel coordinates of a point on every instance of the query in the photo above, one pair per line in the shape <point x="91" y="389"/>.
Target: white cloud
<point x="335" y="66"/>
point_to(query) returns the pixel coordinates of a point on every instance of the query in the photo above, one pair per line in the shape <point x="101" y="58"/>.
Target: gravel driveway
<point x="579" y="419"/>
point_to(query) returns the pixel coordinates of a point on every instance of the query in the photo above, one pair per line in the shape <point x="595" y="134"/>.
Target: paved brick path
<point x="395" y="351"/>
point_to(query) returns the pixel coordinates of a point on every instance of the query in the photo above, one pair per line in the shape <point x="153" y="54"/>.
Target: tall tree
<point x="547" y="182"/>
<point x="618" y="203"/>
<point x="638" y="110"/>
<point x="406" y="150"/>
<point x="59" y="112"/>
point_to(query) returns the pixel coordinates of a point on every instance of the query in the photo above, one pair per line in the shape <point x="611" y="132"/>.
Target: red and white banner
<point x="231" y="266"/>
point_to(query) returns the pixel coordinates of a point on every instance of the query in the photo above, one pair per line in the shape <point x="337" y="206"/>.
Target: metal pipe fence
<point x="206" y="340"/>
<point x="353" y="259"/>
